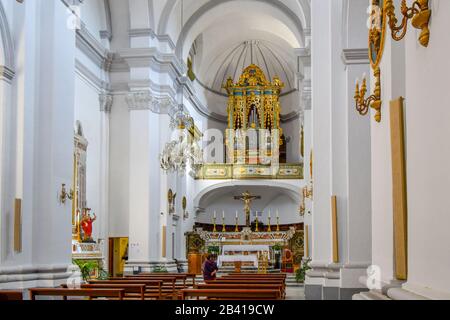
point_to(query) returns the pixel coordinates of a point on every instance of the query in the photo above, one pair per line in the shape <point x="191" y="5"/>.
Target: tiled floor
<point x="295" y="293"/>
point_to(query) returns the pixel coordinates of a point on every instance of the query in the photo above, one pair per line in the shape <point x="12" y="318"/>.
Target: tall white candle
<point x="237" y="215"/>
<point x="223" y="214"/>
<point x="278" y="214"/>
<point x="215" y="214"/>
<point x="270" y="213"/>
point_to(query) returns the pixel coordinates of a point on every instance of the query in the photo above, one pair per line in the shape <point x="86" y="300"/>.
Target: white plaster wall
<point x="392" y="83"/>
<point x="93" y="14"/>
<point x="287" y="207"/>
<point x="321" y="51"/>
<point x="119" y="169"/>
<point x="87" y="111"/>
<point x="428" y="155"/>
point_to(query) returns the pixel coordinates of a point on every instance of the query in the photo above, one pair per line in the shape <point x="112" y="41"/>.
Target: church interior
<point x="297" y="147"/>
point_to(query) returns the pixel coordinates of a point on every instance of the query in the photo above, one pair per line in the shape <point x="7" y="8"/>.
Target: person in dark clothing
<point x="210" y="268"/>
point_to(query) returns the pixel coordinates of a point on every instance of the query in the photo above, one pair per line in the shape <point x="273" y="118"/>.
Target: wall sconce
<point x="419" y="14"/>
<point x="64" y="195"/>
<point x="374" y="101"/>
<point x="308" y="192"/>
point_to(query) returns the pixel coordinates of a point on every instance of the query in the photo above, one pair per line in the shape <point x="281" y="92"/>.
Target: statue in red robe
<point x="86" y="225"/>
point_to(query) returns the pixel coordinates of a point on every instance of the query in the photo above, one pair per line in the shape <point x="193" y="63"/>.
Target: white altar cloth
<point x="237" y="258"/>
<point x="245" y="248"/>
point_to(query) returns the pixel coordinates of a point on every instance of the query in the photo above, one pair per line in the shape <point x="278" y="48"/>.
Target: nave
<point x="301" y="143"/>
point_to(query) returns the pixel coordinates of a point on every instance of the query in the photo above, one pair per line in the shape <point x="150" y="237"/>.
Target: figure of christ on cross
<point x="247" y="197"/>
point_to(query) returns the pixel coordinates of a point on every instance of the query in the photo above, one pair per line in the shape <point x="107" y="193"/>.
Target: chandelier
<point x="183" y="151"/>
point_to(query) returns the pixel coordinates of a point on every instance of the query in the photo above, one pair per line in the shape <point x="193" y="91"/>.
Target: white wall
<point x="428" y="155"/>
<point x="87" y="111"/>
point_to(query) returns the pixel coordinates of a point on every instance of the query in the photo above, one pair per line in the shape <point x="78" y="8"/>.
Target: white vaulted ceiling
<point x="273" y="60"/>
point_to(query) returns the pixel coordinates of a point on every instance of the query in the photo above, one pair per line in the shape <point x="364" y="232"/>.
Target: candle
<point x="237" y="215"/>
<point x="278" y="214"/>
<point x="215" y="214"/>
<point x="223" y="214"/>
<point x="270" y="213"/>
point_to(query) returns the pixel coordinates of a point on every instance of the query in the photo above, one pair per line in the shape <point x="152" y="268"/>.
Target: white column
<point x="352" y="173"/>
<point x="53" y="136"/>
<point x="321" y="134"/>
<point x="106" y="102"/>
<point x="144" y="189"/>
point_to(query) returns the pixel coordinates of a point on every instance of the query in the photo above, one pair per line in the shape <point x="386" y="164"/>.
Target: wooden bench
<point x="130" y="289"/>
<point x="191" y="276"/>
<point x="169" y="283"/>
<point x="153" y="288"/>
<point x="231" y="294"/>
<point x="225" y="281"/>
<point x="252" y="286"/>
<point x="90" y="293"/>
<point x="11" y="295"/>
<point x="178" y="277"/>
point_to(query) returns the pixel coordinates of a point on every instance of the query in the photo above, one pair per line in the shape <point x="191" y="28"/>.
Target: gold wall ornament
<point x="18" y="225"/>
<point x="419" y="13"/>
<point x="334" y="233"/>
<point x="171" y="201"/>
<point x="399" y="190"/>
<point x="377" y="32"/>
<point x="184" y="207"/>
<point x="363" y="104"/>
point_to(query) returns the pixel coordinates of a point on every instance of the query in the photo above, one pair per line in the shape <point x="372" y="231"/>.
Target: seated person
<point x="210" y="268"/>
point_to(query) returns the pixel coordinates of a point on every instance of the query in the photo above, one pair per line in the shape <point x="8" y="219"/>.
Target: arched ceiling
<point x="272" y="59"/>
<point x="267" y="193"/>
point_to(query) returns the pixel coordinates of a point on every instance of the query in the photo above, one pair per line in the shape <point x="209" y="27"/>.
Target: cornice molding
<point x="147" y="32"/>
<point x="146" y="100"/>
<point x="355" y="56"/>
<point x="93" y="49"/>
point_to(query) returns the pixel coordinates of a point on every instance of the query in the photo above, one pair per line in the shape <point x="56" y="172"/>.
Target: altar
<point x="244" y="255"/>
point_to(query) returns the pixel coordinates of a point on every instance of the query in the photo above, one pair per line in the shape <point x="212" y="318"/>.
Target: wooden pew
<point x="192" y="276"/>
<point x="231" y="294"/>
<point x="257" y="286"/>
<point x="178" y="277"/>
<point x="8" y="295"/>
<point x="257" y="275"/>
<point x="250" y="281"/>
<point x="130" y="289"/>
<point x="91" y="293"/>
<point x="169" y="283"/>
<point x="153" y="288"/>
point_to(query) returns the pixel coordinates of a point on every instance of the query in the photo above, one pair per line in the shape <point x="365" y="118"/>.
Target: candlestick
<point x="214" y="221"/>
<point x="237" y="225"/>
<point x="278" y="224"/>
<point x="257" y="223"/>
<point x="270" y="228"/>
<point x="224" y="228"/>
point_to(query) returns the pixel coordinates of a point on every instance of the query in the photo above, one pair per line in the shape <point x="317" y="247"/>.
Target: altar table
<point x="245" y="248"/>
<point x="237" y="258"/>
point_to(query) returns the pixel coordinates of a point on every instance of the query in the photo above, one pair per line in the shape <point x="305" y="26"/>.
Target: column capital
<point x="106" y="102"/>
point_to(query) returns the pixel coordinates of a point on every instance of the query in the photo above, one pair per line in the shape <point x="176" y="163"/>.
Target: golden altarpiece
<point x="255" y="144"/>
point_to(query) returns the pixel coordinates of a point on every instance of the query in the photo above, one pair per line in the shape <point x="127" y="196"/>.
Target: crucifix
<point x="247" y="197"/>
